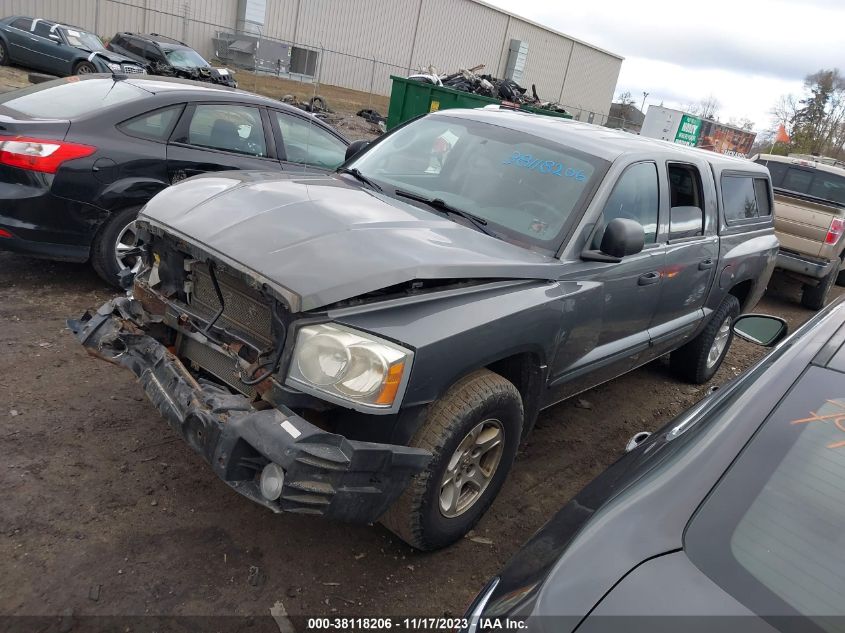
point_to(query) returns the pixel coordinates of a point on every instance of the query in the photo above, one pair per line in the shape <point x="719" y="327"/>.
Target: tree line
<point x="815" y="120"/>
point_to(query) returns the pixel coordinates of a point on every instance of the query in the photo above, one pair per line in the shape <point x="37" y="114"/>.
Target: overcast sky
<point x="745" y="52"/>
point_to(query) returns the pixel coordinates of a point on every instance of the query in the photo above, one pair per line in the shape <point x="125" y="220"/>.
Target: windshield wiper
<point x="441" y="205"/>
<point x="356" y="173"/>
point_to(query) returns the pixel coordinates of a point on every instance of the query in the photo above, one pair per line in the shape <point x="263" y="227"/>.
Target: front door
<point x="616" y="339"/>
<point x="218" y="137"/>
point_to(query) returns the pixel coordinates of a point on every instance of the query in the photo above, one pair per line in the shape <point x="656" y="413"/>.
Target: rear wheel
<point x="84" y="68"/>
<point x="116" y="247"/>
<point x="840" y="278"/>
<point x="473" y="433"/>
<point x="4" y="54"/>
<point x="699" y="360"/>
<point x="814" y="297"/>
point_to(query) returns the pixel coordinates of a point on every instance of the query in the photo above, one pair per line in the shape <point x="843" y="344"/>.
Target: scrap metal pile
<point x="467" y="80"/>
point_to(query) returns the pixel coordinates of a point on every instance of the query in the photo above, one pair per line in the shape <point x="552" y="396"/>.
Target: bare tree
<point x="625" y="98"/>
<point x="707" y="108"/>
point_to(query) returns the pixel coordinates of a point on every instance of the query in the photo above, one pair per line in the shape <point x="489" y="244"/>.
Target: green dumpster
<point x="409" y="98"/>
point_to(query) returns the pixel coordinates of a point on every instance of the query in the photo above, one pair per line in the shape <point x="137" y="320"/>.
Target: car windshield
<point x="524" y="187"/>
<point x="83" y="39"/>
<point x="185" y="58"/>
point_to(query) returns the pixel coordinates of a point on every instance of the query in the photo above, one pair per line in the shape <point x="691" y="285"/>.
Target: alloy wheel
<point x="720" y="342"/>
<point x="471" y="467"/>
<point x="127" y="249"/>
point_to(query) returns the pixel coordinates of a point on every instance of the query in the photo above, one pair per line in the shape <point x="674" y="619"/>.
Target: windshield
<point x="524" y="187"/>
<point x="81" y="39"/>
<point x="76" y="97"/>
<point x="185" y="58"/>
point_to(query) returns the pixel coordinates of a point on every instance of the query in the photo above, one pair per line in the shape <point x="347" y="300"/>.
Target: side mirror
<point x="761" y="329"/>
<point x="622" y="237"/>
<point x="685" y="222"/>
<point x="354" y="147"/>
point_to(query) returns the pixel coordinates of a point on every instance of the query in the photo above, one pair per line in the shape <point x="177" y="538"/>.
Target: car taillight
<point x="39" y="154"/>
<point x="4" y="233"/>
<point x="837" y="225"/>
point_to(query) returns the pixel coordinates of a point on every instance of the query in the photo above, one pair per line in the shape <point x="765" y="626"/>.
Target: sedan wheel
<point x="85" y="68"/>
<point x="127" y="249"/>
<point x="471" y="468"/>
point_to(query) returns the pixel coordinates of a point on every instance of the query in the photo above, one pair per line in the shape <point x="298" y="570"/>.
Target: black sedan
<point x="735" y="510"/>
<point x="59" y="49"/>
<point x="80" y="156"/>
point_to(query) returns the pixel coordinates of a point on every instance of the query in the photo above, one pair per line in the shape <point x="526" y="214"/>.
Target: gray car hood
<point x="319" y="239"/>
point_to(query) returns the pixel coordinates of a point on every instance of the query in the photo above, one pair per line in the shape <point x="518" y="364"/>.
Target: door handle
<point x="648" y="278"/>
<point x="705" y="264"/>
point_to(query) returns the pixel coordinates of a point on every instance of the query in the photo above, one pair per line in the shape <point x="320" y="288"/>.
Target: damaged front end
<point x="207" y="343"/>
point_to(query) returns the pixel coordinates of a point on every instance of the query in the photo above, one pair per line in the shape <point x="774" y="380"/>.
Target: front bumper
<point x="803" y="264"/>
<point x="325" y="473"/>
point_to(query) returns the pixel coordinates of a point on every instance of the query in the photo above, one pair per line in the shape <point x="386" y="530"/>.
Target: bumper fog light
<point x="272" y="481"/>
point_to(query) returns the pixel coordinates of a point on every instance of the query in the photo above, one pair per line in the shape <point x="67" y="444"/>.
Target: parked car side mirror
<point x="761" y="329"/>
<point x="354" y="147"/>
<point x="685" y="222"/>
<point x="622" y="236"/>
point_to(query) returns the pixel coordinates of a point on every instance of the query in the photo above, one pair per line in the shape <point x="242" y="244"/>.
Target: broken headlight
<point x="349" y="367"/>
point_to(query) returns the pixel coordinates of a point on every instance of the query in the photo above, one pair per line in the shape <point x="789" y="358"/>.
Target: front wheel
<point x="473" y="433"/>
<point x="698" y="360"/>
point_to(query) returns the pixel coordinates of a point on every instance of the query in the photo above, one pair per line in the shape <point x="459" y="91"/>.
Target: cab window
<point x="635" y="197"/>
<point x="738" y="198"/>
<point x="307" y="143"/>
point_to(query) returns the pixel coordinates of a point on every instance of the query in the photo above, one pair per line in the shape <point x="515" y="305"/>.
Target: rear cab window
<point x="76" y="97"/>
<point x="770" y="533"/>
<point x="745" y="197"/>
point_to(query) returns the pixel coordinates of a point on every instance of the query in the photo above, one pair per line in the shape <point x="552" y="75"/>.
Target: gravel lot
<point x="107" y="512"/>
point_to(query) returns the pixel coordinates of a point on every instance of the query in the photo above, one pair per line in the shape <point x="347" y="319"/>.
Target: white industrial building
<point x="360" y="43"/>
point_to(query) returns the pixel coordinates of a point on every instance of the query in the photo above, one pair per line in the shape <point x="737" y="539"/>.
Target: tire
<point x="104" y="248"/>
<point x="4" y="54"/>
<point x="840" y="278"/>
<point x="693" y="361"/>
<point x="481" y="399"/>
<point x="84" y="68"/>
<point x="814" y="297"/>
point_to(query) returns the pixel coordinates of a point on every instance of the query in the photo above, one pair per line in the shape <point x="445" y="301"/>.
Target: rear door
<point x="19" y="34"/>
<point x="220" y="136"/>
<point x="692" y="252"/>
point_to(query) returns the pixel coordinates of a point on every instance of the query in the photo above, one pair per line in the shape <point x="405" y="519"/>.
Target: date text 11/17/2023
<point x="551" y="167"/>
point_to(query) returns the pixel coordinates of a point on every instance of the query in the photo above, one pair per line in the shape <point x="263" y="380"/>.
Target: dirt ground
<point x="106" y="511"/>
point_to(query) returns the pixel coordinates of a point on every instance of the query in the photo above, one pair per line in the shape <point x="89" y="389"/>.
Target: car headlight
<point x="348" y="366"/>
<point x="115" y="68"/>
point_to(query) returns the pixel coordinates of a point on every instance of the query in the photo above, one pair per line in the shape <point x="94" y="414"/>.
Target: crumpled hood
<point x="318" y="239"/>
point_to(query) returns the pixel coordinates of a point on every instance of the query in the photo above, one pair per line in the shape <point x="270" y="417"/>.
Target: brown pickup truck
<point x="809" y="194"/>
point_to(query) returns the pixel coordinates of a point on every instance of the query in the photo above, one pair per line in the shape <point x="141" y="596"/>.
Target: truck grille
<point x="214" y="363"/>
<point x="245" y="310"/>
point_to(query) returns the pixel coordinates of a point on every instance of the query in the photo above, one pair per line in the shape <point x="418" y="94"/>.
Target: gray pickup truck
<point x="373" y="344"/>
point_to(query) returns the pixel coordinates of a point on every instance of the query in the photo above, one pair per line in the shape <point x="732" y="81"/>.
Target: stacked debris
<point x="468" y="80"/>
